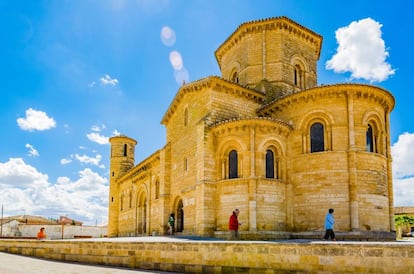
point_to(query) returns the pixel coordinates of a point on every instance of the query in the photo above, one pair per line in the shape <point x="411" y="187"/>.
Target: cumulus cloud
<point x="32" y="150"/>
<point x="167" y="36"/>
<point x="21" y="176"/>
<point x="107" y="80"/>
<point x="403" y="169"/>
<point x="98" y="138"/>
<point x="25" y="189"/>
<point x="84" y="159"/>
<point x="36" y="120"/>
<point x="361" y="51"/>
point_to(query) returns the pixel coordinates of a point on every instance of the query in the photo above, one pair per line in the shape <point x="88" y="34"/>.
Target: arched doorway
<point x="141" y="220"/>
<point x="179" y="216"/>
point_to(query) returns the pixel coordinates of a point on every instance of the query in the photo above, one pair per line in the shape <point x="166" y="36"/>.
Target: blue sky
<point x="74" y="73"/>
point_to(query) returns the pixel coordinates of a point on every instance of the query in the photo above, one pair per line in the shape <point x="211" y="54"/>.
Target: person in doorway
<point x="234" y="225"/>
<point x="41" y="235"/>
<point x="171" y="224"/>
<point x="329" y="225"/>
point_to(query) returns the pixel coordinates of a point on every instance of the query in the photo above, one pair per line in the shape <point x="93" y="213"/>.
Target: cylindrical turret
<point x="122" y="160"/>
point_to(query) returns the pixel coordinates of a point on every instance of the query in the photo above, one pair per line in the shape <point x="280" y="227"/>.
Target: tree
<point x="402" y="221"/>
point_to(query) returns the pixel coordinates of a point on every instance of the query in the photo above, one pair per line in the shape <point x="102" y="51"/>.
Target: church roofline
<point x="259" y="25"/>
<point x="329" y="89"/>
<point x="142" y="166"/>
<point x="210" y="82"/>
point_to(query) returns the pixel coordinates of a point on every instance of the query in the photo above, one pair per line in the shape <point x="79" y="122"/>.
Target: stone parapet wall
<point x="227" y="257"/>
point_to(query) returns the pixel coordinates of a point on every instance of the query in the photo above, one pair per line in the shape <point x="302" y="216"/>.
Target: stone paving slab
<point x="16" y="264"/>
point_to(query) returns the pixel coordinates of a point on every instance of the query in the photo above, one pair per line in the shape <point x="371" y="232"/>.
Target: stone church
<point x="265" y="138"/>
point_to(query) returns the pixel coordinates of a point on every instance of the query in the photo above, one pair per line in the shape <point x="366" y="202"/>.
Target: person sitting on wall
<point x="41" y="235"/>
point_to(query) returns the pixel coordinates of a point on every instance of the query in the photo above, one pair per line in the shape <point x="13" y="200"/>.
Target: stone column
<point x="252" y="183"/>
<point x="389" y="172"/>
<point x="352" y="168"/>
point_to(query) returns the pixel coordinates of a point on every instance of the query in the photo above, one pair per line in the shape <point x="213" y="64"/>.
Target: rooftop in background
<point x="403" y="210"/>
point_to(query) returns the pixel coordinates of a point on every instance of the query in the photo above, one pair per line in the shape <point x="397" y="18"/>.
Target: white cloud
<point x="116" y="133"/>
<point x="16" y="173"/>
<point x="98" y="128"/>
<point x="403" y="156"/>
<point x="361" y="51"/>
<point x="65" y="161"/>
<point x="403" y="170"/>
<point x="24" y="189"/>
<point x="167" y="36"/>
<point x="32" y="150"/>
<point x="36" y="120"/>
<point x="92" y="84"/>
<point x="404" y="192"/>
<point x="98" y="138"/>
<point x="90" y="160"/>
<point x="107" y="80"/>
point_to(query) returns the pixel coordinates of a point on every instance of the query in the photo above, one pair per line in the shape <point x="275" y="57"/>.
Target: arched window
<point x="370" y="139"/>
<point x="317" y="137"/>
<point x="298" y="77"/>
<point x="130" y="200"/>
<point x="186" y="117"/>
<point x="125" y="149"/>
<point x="295" y="76"/>
<point x="233" y="165"/>
<point x="122" y="202"/>
<point x="270" y="164"/>
<point x="234" y="78"/>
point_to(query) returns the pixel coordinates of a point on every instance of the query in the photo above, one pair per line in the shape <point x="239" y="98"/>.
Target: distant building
<point x="27" y="226"/>
<point x="68" y="221"/>
<point x="266" y="139"/>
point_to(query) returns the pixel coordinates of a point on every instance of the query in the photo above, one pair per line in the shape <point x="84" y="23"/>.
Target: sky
<point x="75" y="72"/>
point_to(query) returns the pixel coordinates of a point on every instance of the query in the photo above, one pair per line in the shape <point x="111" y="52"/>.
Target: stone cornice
<point x="377" y="94"/>
<point x="120" y="138"/>
<point x="282" y="23"/>
<point x="282" y="127"/>
<point x="213" y="82"/>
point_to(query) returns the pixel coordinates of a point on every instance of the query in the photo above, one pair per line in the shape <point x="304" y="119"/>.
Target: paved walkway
<point x="16" y="264"/>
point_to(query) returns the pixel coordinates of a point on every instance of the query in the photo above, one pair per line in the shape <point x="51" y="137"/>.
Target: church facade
<point x="266" y="139"/>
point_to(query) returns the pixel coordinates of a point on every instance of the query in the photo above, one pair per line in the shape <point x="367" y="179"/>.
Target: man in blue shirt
<point x="329" y="225"/>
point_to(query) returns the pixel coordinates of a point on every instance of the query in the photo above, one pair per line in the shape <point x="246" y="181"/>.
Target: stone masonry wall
<point x="227" y="256"/>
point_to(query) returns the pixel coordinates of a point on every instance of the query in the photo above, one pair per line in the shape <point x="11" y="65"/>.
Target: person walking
<point x="234" y="225"/>
<point x="329" y="225"/>
<point x="171" y="224"/>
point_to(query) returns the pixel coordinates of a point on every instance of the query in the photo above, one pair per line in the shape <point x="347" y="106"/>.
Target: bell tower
<point x="121" y="161"/>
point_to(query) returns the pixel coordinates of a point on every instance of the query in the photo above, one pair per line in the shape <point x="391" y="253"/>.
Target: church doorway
<point x="179" y="216"/>
<point x="141" y="219"/>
